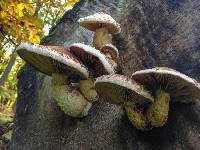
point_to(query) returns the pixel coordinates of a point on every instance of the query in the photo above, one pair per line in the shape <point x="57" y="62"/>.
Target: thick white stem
<point x="136" y="117"/>
<point x="71" y="101"/>
<point x="101" y="38"/>
<point x="157" y="112"/>
<point x="87" y="89"/>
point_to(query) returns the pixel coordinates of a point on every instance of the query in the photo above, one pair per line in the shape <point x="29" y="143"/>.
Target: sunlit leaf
<point x="23" y="21"/>
<point x="19" y="9"/>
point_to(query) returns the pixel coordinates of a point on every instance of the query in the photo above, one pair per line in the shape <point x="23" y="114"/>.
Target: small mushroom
<point x="97" y="63"/>
<point x="119" y="89"/>
<point x="93" y="58"/>
<point x="103" y="25"/>
<point x="61" y="65"/>
<point x="110" y="51"/>
<point x="112" y="54"/>
<point x="166" y="85"/>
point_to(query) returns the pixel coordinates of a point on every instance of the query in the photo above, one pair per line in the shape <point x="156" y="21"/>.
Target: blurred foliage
<point x="23" y="21"/>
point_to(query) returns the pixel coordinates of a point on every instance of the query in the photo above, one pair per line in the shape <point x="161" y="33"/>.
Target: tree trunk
<point x="154" y="33"/>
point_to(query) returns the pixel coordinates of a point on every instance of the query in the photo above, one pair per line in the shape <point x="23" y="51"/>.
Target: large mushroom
<point x="61" y="65"/>
<point x="103" y="25"/>
<point x="97" y="63"/>
<point x="166" y="85"/>
<point x="119" y="89"/>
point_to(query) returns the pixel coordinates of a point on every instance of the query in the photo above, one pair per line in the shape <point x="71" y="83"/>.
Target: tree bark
<point x="154" y="33"/>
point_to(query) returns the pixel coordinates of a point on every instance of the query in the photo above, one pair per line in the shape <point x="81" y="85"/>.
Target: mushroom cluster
<point x="147" y="93"/>
<point x="74" y="70"/>
<point x="81" y="72"/>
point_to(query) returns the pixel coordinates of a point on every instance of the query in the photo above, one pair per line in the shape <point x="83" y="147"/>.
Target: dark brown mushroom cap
<point x="110" y="49"/>
<point x="179" y="86"/>
<point x="52" y="59"/>
<point x="118" y="89"/>
<point x="93" y="58"/>
<point x="100" y="20"/>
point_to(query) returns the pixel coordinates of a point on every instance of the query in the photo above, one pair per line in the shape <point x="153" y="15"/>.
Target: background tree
<point x="22" y="21"/>
<point x="154" y="33"/>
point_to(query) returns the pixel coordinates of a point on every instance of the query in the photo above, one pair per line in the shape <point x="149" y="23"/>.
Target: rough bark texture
<point x="154" y="33"/>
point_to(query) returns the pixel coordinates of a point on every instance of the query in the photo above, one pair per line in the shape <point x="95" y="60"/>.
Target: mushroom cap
<point x="51" y="59"/>
<point x="93" y="57"/>
<point x="110" y="49"/>
<point x="118" y="89"/>
<point x="100" y="20"/>
<point x="179" y="86"/>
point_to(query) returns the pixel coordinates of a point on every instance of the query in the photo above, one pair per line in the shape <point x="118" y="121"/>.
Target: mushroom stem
<point x="71" y="101"/>
<point x="137" y="118"/>
<point x="87" y="89"/>
<point x="112" y="62"/>
<point x="59" y="79"/>
<point x="101" y="37"/>
<point x="157" y="113"/>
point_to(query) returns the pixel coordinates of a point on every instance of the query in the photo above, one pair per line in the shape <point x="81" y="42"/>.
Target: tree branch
<point x="4" y="34"/>
<point x="8" y="68"/>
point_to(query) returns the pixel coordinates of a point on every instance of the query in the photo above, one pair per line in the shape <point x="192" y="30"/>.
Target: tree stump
<point x="154" y="33"/>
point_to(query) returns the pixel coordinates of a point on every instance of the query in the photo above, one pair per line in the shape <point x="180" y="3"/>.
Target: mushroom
<point x="119" y="89"/>
<point x="103" y="25"/>
<point x="112" y="54"/>
<point x="166" y="85"/>
<point x="61" y="65"/>
<point x="97" y="63"/>
<point x="110" y="51"/>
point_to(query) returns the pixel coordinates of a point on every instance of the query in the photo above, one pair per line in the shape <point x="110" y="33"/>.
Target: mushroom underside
<point x="94" y="25"/>
<point x="48" y="65"/>
<point x="118" y="89"/>
<point x="180" y="87"/>
<point x="92" y="58"/>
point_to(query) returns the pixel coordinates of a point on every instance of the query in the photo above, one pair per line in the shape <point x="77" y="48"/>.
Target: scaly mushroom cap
<point x="110" y="49"/>
<point x="179" y="86"/>
<point x="92" y="57"/>
<point x="100" y="20"/>
<point x="118" y="89"/>
<point x="51" y="59"/>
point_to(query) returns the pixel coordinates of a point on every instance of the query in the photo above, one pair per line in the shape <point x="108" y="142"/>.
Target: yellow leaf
<point x="35" y="39"/>
<point x="71" y="2"/>
<point x="3" y="14"/>
<point x="19" y="9"/>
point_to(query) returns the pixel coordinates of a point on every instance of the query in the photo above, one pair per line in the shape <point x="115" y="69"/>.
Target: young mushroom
<point x="119" y="89"/>
<point x="61" y="65"/>
<point x="97" y="64"/>
<point x="166" y="85"/>
<point x="103" y="25"/>
<point x="112" y="54"/>
<point x="110" y="51"/>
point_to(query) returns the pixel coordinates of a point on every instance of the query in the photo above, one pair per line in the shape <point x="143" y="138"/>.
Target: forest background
<point x="22" y="21"/>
